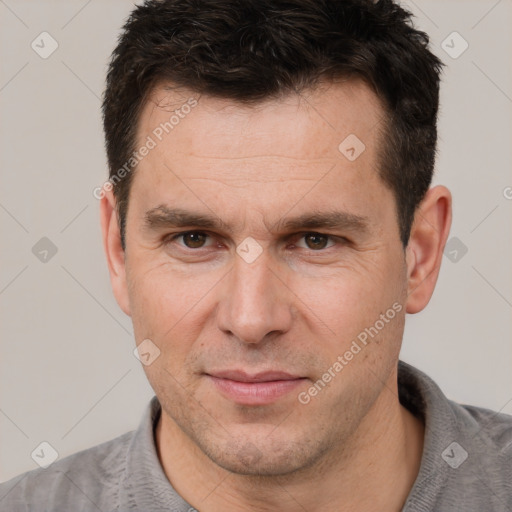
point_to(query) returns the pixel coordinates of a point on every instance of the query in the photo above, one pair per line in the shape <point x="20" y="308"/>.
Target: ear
<point x="424" y="251"/>
<point x="114" y="250"/>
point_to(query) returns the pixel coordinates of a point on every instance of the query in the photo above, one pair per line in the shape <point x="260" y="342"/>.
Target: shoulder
<point x="495" y="426"/>
<point x="488" y="435"/>
<point x="84" y="480"/>
<point x="467" y="454"/>
<point x="480" y="457"/>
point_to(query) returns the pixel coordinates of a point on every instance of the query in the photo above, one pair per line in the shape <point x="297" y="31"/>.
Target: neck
<point x="375" y="474"/>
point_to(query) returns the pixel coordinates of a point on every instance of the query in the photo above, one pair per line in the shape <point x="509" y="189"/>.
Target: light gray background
<point x="68" y="374"/>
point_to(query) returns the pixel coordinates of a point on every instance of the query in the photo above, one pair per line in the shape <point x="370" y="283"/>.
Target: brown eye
<point x="316" y="241"/>
<point x="194" y="240"/>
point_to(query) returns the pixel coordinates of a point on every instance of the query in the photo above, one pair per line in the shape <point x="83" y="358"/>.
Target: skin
<point x="296" y="308"/>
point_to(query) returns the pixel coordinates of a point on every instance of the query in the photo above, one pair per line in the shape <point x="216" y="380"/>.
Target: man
<point x="268" y="223"/>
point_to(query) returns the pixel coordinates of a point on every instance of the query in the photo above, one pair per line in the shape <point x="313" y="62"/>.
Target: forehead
<point x="328" y="113"/>
<point x="326" y="138"/>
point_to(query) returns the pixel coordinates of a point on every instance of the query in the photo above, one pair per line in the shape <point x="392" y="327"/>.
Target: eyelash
<point x="335" y="239"/>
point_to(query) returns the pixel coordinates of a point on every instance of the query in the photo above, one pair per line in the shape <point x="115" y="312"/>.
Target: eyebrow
<point x="325" y="220"/>
<point x="164" y="217"/>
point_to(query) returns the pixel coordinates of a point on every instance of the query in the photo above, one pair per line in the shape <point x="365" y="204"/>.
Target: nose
<point x="255" y="302"/>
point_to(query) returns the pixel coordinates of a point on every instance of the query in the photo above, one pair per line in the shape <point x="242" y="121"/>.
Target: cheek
<point x="350" y="299"/>
<point x="364" y="314"/>
<point x="169" y="306"/>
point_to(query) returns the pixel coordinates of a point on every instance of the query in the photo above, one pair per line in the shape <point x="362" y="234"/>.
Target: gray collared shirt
<point x="466" y="464"/>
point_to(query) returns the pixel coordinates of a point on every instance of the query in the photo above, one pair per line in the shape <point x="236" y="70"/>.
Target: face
<point x="265" y="263"/>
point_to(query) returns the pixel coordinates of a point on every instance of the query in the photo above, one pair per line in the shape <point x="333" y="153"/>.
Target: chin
<point x="263" y="457"/>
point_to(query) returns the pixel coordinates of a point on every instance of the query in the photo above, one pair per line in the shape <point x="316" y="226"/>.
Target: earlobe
<point x="114" y="251"/>
<point x="424" y="251"/>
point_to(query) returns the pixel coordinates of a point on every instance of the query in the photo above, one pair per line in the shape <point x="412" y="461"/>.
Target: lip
<point x="254" y="389"/>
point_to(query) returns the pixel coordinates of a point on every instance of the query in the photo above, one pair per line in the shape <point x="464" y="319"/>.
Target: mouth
<point x="254" y="389"/>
